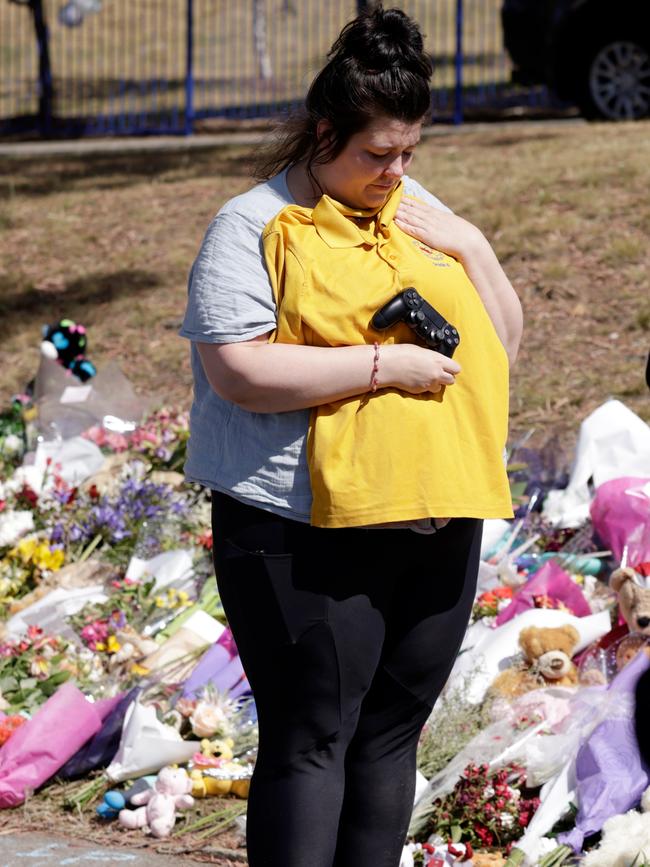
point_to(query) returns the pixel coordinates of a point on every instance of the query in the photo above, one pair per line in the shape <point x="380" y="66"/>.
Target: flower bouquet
<point x="485" y="809"/>
<point x="32" y="669"/>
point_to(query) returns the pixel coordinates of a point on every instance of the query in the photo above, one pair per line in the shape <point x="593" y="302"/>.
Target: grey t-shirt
<point x="256" y="457"/>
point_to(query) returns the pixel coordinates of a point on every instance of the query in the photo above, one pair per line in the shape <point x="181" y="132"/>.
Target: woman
<point x="348" y="634"/>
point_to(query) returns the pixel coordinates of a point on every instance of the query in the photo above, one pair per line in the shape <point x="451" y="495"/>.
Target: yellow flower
<point x="183" y="597"/>
<point x="112" y="645"/>
<point x="161" y="602"/>
<point x="100" y="646"/>
<point x="25" y="550"/>
<point x="39" y="666"/>
<point x="46" y="558"/>
<point x="138" y="669"/>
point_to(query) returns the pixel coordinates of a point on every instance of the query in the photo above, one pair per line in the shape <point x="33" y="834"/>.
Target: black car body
<point x="595" y="53"/>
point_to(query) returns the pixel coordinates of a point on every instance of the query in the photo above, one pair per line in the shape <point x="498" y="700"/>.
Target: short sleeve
<point x="413" y="188"/>
<point x="230" y="298"/>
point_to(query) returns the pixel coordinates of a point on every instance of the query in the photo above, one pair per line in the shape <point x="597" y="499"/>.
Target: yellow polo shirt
<point x="391" y="455"/>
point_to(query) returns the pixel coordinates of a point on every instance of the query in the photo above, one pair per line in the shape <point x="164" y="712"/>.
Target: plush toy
<point x="625" y="839"/>
<point x="206" y="785"/>
<point x="111" y="805"/>
<point x="211" y="770"/>
<point x="547" y="661"/>
<point x="214" y="754"/>
<point x="171" y="792"/>
<point x="633" y="598"/>
<point x="65" y="342"/>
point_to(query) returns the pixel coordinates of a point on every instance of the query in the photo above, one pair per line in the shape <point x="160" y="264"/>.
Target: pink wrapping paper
<point x="45" y="743"/>
<point x="620" y="512"/>
<point x="551" y="580"/>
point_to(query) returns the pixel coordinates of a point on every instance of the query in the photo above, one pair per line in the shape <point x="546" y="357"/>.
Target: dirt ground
<point x="108" y="240"/>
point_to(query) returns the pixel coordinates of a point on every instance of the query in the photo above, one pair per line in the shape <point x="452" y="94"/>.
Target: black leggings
<point x="347" y="637"/>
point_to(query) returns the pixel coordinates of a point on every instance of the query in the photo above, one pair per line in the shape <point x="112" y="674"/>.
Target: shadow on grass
<point x="515" y="139"/>
<point x="20" y="301"/>
<point x="40" y="176"/>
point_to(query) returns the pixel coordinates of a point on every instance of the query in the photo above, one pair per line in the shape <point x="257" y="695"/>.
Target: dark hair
<point x="376" y="67"/>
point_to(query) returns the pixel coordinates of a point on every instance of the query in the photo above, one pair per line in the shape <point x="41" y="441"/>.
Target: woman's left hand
<point x="438" y="229"/>
<point x="456" y="237"/>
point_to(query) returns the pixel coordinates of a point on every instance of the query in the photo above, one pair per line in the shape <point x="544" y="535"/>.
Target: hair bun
<point x="380" y="39"/>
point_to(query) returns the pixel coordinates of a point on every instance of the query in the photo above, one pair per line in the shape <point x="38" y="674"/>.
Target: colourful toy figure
<point x="157" y="807"/>
<point x="66" y="342"/>
<point x="111" y="805"/>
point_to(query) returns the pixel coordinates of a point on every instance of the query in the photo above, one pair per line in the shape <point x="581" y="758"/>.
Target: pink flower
<point x="185" y="706"/>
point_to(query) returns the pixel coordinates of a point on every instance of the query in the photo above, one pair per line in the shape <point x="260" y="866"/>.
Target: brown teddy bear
<point x="547" y="661"/>
<point x="633" y="599"/>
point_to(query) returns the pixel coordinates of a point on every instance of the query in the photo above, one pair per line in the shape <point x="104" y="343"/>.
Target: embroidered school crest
<point x="434" y="256"/>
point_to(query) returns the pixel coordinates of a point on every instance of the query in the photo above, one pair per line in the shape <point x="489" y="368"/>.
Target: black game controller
<point x="410" y="307"/>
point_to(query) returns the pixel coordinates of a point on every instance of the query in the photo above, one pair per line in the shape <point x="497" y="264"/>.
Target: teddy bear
<point x="157" y="807"/>
<point x="633" y="598"/>
<point x="211" y="767"/>
<point x="216" y="758"/>
<point x="205" y="785"/>
<point x="214" y="753"/>
<point x="547" y="655"/>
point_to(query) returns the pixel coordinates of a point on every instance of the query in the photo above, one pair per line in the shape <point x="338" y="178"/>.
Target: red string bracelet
<point x="375" y="368"/>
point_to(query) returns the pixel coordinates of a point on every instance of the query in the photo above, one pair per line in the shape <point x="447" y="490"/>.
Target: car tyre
<point x="615" y="80"/>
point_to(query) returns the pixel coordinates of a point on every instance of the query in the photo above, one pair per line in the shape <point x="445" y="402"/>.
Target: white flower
<point x="209" y="719"/>
<point x="13" y="525"/>
<point x="11" y="445"/>
<point x="488" y="792"/>
<point x="506" y="820"/>
<point x="26" y="475"/>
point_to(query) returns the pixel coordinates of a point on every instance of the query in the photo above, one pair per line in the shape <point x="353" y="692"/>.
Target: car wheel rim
<point x="619" y="81"/>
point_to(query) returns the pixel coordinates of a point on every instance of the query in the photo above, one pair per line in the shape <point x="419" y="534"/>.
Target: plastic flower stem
<point x="86" y="794"/>
<point x="229" y="814"/>
<point x="557" y="857"/>
<point x="223" y="823"/>
<point x="516" y="858"/>
<point x="90" y="548"/>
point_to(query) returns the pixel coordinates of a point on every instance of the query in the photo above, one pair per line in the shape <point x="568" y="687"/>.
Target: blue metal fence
<point x="110" y="67"/>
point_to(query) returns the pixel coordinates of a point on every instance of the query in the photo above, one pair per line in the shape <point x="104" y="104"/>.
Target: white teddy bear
<point x="625" y="840"/>
<point x="157" y="807"/>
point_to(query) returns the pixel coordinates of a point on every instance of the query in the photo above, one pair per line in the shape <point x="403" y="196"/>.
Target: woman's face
<point x="371" y="164"/>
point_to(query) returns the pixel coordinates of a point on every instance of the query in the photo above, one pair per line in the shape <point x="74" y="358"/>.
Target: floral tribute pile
<point x="112" y="634"/>
<point x="537" y="752"/>
<point x="111" y="629"/>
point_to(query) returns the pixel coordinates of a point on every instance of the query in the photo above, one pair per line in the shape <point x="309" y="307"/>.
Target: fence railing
<point x="162" y="66"/>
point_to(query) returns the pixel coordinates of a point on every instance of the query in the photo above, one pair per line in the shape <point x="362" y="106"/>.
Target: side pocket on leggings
<point x="269" y="580"/>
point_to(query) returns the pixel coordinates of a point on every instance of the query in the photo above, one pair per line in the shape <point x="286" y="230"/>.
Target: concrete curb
<point x="178" y="144"/>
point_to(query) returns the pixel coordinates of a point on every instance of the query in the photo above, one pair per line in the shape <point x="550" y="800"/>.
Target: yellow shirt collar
<point x="335" y="224"/>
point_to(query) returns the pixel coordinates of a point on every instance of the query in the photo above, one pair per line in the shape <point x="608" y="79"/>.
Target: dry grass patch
<point x="109" y="240"/>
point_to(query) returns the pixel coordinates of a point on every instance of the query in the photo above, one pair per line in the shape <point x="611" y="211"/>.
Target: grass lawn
<point x="108" y="241"/>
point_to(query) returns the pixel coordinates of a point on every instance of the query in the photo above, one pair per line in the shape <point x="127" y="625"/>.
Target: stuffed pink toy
<point x="158" y="811"/>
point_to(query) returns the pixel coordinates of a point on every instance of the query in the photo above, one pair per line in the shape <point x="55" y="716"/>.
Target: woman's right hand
<point x="415" y="369"/>
<point x="278" y="377"/>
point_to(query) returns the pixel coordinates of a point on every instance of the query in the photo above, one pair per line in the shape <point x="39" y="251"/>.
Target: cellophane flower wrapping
<point x="620" y="512"/>
<point x="609" y="771"/>
<point x="549" y="581"/>
<point x="32" y="755"/>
